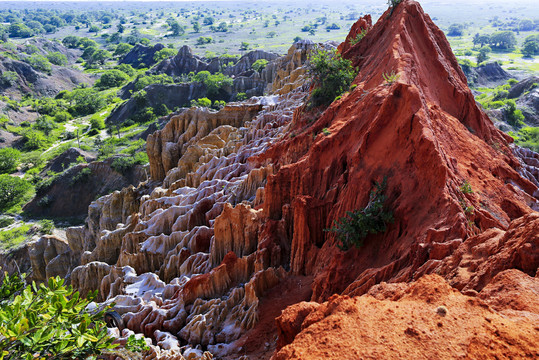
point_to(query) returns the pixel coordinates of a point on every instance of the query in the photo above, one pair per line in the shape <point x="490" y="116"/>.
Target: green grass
<point x="10" y="239"/>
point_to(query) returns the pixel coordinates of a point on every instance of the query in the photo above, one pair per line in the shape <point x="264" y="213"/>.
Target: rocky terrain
<point x="40" y="83"/>
<point x="229" y="230"/>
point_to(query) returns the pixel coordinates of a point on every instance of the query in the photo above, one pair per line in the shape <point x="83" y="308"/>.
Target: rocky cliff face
<point x="231" y="229"/>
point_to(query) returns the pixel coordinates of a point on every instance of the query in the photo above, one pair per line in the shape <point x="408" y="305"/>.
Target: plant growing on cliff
<point x="359" y="37"/>
<point x="48" y="322"/>
<point x="331" y="74"/>
<point x="352" y="229"/>
<point x="391" y="77"/>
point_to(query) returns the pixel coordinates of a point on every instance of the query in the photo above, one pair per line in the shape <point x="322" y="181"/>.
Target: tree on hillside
<point x="455" y="30"/>
<point x="531" y="46"/>
<point x="503" y="40"/>
<point x="481" y="40"/>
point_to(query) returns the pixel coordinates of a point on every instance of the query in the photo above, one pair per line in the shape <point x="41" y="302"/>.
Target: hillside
<point x="227" y="248"/>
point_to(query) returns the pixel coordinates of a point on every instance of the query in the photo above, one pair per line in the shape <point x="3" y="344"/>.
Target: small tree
<point x="259" y="65"/>
<point x="57" y="58"/>
<point x="331" y="74"/>
<point x="49" y="322"/>
<point x="9" y="159"/>
<point x="483" y="54"/>
<point x="12" y="190"/>
<point x="111" y="78"/>
<point x="163" y="54"/>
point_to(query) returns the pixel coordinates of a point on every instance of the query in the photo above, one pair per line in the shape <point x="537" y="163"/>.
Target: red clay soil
<point x="424" y="132"/>
<point x="261" y="341"/>
<point x="426" y="319"/>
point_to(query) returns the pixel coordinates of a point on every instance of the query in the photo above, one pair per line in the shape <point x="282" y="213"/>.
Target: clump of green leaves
<point x="124" y="164"/>
<point x="391" y="77"/>
<point x="12" y="190"/>
<point x="49" y="322"/>
<point x="259" y="65"/>
<point x="352" y="229"/>
<point x="331" y="74"/>
<point x="359" y="37"/>
<point x="136" y="345"/>
<point x="466" y="188"/>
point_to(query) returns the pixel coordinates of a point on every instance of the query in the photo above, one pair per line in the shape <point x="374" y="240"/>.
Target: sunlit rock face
<point x="239" y="200"/>
<point x="184" y="263"/>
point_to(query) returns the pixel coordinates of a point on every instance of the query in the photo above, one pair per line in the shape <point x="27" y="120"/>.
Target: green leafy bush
<point x="49" y="321"/>
<point x="85" y="101"/>
<point x="163" y="54"/>
<point x="12" y="191"/>
<point x="331" y="74"/>
<point x="124" y="164"/>
<point x="259" y="65"/>
<point x="39" y="62"/>
<point x="202" y="102"/>
<point x="111" y="78"/>
<point x="34" y="140"/>
<point x="9" y="159"/>
<point x="513" y="115"/>
<point x="215" y="83"/>
<point x="57" y="58"/>
<point x="352" y="229"/>
<point x="46" y="226"/>
<point x="358" y="37"/>
<point x="97" y="122"/>
<point x="146" y="80"/>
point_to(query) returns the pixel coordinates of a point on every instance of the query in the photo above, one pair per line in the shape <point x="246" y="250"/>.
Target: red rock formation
<point x="363" y="23"/>
<point x="424" y="132"/>
<point x="426" y="319"/>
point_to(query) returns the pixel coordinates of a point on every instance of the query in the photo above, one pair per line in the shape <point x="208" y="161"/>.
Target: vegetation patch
<point x="352" y="229"/>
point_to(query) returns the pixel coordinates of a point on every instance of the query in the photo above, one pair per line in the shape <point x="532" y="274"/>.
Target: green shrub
<point x="111" y="78"/>
<point x="163" y="54"/>
<point x="85" y="101"/>
<point x="513" y="115"/>
<point x="126" y="68"/>
<point x="45" y="201"/>
<point x="352" y="229"/>
<point x="46" y="226"/>
<point x="9" y="159"/>
<point x="49" y="321"/>
<point x="124" y="164"/>
<point x="331" y="74"/>
<point x="57" y="58"/>
<point x="9" y="78"/>
<point x="62" y="116"/>
<point x="241" y="96"/>
<point x="359" y="37"/>
<point x="259" y="65"/>
<point x="143" y="81"/>
<point x="39" y="62"/>
<point x="34" y="140"/>
<point x="202" y="102"/>
<point x="97" y="123"/>
<point x="215" y="83"/>
<point x="466" y="188"/>
<point x="6" y="221"/>
<point x="12" y="191"/>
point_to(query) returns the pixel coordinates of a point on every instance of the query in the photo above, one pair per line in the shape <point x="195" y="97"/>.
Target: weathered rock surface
<point x="71" y="192"/>
<point x="486" y="75"/>
<point x="240" y="199"/>
<point x="141" y="55"/>
<point x="422" y="320"/>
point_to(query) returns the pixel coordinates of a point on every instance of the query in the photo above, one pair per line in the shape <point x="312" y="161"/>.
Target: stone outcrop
<point x="239" y="200"/>
<point x="422" y="320"/>
<point x="70" y="193"/>
<point x="423" y="131"/>
<point x="141" y="55"/>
